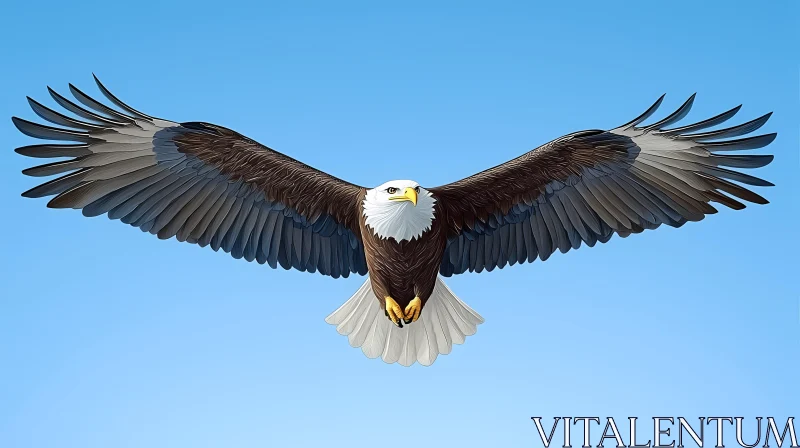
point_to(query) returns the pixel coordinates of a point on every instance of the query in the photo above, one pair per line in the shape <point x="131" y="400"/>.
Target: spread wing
<point x="587" y="186"/>
<point x="198" y="182"/>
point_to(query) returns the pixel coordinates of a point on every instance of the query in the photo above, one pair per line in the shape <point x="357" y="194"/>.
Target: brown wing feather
<point x="308" y="190"/>
<point x="199" y="182"/>
<point x="525" y="178"/>
<point x="587" y="186"/>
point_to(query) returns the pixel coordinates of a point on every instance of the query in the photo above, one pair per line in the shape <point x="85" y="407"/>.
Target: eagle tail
<point x="445" y="320"/>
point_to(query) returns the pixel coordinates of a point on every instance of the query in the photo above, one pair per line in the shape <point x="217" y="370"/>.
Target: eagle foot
<point x="413" y="310"/>
<point x="394" y="312"/>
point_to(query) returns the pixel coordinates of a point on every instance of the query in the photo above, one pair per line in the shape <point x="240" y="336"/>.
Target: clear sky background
<point x="112" y="338"/>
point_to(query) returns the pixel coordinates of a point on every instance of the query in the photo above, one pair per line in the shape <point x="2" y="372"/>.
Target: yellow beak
<point x="409" y="194"/>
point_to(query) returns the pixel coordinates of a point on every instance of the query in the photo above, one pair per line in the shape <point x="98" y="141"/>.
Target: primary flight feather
<point x="211" y="186"/>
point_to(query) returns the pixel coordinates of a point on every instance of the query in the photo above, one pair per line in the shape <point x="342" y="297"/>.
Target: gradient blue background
<point x="112" y="338"/>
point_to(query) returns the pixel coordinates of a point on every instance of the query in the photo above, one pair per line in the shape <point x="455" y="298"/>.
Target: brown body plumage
<point x="407" y="269"/>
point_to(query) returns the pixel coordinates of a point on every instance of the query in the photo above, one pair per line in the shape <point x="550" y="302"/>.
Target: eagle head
<point x="399" y="209"/>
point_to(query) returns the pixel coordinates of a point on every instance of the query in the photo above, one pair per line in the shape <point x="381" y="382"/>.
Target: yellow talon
<point x="394" y="311"/>
<point x="413" y="310"/>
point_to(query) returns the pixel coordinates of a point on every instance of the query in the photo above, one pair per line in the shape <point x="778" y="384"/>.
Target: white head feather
<point x="400" y="220"/>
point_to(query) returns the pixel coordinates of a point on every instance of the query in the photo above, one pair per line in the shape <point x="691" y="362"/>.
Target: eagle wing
<point x="587" y="186"/>
<point x="198" y="182"/>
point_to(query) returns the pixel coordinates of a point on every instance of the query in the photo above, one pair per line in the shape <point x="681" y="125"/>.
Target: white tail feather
<point x="445" y="320"/>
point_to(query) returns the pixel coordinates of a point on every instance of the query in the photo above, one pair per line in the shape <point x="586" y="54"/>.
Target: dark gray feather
<point x="713" y="121"/>
<point x="52" y="150"/>
<point x="734" y="131"/>
<point x="645" y="115"/>
<point x="119" y="103"/>
<point x="98" y="106"/>
<point x="81" y="112"/>
<point x="675" y="116"/>
<point x="59" y="118"/>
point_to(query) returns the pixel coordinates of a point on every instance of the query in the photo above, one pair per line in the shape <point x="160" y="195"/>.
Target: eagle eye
<point x="416" y="189"/>
<point x="391" y="190"/>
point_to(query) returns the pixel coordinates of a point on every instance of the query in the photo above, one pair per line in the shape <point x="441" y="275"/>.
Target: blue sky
<point x="111" y="337"/>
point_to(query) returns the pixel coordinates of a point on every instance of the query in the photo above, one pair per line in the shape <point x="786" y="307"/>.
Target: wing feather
<point x="203" y="213"/>
<point x="589" y="185"/>
<point x="566" y="223"/>
<point x="198" y="182"/>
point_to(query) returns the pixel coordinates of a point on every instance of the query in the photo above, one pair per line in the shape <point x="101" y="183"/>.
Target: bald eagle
<point x="208" y="185"/>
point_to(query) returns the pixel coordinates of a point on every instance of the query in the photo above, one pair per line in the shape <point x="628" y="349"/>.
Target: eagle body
<point x="211" y="186"/>
<point x="406" y="269"/>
